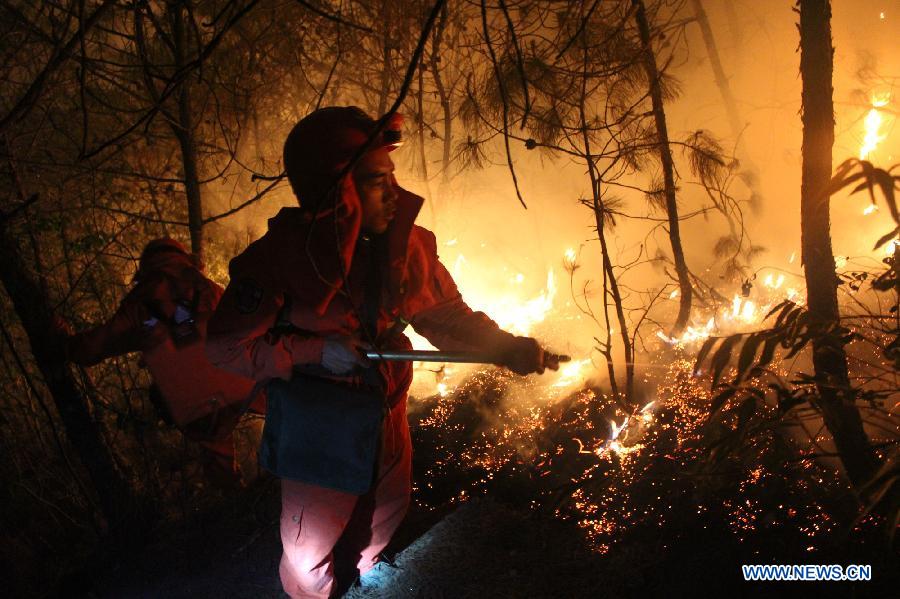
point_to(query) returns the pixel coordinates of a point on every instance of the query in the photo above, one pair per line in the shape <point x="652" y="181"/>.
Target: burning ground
<point x="568" y="496"/>
<point x="645" y="481"/>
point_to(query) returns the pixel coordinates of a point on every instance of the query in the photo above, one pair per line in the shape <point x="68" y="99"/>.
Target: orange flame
<point x="872" y="123"/>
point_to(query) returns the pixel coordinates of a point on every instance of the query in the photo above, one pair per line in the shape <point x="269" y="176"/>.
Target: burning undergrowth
<point x="662" y="474"/>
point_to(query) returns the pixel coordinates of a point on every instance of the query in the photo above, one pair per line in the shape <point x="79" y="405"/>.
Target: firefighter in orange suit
<point x="349" y="239"/>
<point x="165" y="316"/>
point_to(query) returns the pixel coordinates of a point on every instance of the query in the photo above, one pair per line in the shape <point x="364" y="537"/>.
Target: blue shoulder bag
<point x="321" y="432"/>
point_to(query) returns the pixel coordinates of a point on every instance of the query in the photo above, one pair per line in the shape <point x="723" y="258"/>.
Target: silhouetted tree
<point x="832" y="379"/>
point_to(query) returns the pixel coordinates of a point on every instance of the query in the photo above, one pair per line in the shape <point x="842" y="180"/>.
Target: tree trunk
<point x="118" y="503"/>
<point x="829" y="360"/>
<point x="718" y="72"/>
<point x="749" y="174"/>
<point x="610" y="284"/>
<point x="665" y="157"/>
<point x="609" y="279"/>
<point x="184" y="132"/>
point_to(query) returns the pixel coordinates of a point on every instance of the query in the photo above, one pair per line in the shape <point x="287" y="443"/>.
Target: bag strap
<point x="372" y="292"/>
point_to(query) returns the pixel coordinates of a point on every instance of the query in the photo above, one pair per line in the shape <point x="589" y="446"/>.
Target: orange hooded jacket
<point x="302" y="258"/>
<point x="167" y="286"/>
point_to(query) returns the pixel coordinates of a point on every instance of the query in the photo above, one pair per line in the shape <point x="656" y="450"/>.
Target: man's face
<point x="374" y="179"/>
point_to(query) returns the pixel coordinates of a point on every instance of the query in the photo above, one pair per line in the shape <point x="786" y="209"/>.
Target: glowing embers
<point x="873" y="125"/>
<point x="626" y="475"/>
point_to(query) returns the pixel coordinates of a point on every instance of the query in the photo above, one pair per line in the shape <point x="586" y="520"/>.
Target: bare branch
<point x="59" y="56"/>
<point x="333" y="17"/>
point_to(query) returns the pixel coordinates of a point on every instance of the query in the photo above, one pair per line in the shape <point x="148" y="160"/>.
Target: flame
<point x="646" y="413"/>
<point x="748" y="312"/>
<point x="740" y="313"/>
<point x="743" y="309"/>
<point x="506" y="302"/>
<point x="691" y="334"/>
<point x="617" y="443"/>
<point x="613" y="444"/>
<point x="773" y="282"/>
<point x="510" y="311"/>
<point x="519" y="317"/>
<point x="570" y="373"/>
<point x="872" y="123"/>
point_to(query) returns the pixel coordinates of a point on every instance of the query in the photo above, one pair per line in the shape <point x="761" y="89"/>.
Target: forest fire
<point x="506" y="299"/>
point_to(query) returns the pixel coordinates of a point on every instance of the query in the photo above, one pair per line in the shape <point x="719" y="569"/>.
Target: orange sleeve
<point x="449" y="323"/>
<point x="121" y="334"/>
<point x="239" y="337"/>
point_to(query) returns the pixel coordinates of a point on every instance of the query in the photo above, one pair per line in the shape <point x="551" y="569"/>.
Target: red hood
<point x="280" y="260"/>
<point x="169" y="278"/>
<point x="171" y="263"/>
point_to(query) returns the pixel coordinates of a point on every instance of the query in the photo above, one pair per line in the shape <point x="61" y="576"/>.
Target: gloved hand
<point x="341" y="355"/>
<point x="524" y="355"/>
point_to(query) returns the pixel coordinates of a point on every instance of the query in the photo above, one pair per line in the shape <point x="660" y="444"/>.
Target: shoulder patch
<point x="248" y="295"/>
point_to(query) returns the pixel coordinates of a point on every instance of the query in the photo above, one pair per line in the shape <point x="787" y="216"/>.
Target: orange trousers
<point x="314" y="519"/>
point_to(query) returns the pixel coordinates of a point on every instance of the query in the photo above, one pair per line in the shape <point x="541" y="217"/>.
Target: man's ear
<point x="348" y="202"/>
<point x="350" y="196"/>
